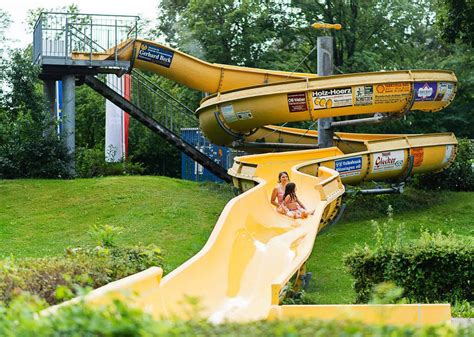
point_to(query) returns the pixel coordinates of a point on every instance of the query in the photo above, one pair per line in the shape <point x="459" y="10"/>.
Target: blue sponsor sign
<point x="425" y="91"/>
<point x="155" y="54"/>
<point x="349" y="166"/>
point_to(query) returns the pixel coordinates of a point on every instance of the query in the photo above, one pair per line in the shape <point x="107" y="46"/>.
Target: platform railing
<point x="57" y="35"/>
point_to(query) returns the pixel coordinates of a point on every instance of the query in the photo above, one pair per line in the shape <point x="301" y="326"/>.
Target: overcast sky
<point x="18" y="11"/>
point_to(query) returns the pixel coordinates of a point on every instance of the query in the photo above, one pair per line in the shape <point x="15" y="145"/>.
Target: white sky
<point x="146" y="9"/>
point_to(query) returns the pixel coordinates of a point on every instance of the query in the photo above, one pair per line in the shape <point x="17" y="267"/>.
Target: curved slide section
<point x="188" y="70"/>
<point x="232" y="115"/>
<point x="250" y="98"/>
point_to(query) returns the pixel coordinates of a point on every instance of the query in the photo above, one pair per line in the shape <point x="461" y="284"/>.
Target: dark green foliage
<point x="454" y="17"/>
<point x="119" y="320"/>
<point x="58" y="278"/>
<point x="363" y="207"/>
<point x="458" y="177"/>
<point x="91" y="163"/>
<point x="158" y="156"/>
<point x="90" y="118"/>
<point x="29" y="146"/>
<point x="434" y="268"/>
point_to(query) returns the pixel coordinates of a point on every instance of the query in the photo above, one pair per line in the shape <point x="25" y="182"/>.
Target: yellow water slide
<point x="242" y="271"/>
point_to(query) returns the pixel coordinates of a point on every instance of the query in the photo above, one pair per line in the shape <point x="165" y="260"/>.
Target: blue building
<point x="191" y="170"/>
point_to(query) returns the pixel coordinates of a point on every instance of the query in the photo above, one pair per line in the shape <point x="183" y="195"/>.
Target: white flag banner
<point x="116" y="121"/>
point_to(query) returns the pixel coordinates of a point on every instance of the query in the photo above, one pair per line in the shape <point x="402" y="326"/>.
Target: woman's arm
<point x="274" y="195"/>
<point x="283" y="204"/>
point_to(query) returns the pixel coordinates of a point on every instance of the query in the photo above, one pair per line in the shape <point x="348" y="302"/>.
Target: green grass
<point x="42" y="217"/>
<point x="415" y="210"/>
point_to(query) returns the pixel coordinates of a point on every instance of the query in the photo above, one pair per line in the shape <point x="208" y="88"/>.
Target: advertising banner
<point x="332" y="98"/>
<point x="349" y="166"/>
<point x="297" y="102"/>
<point x="151" y="53"/>
<point x="388" y="161"/>
<point x="425" y="91"/>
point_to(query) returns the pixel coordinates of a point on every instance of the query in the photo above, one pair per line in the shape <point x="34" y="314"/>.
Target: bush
<point x="29" y="146"/>
<point x="433" y="268"/>
<point x="91" y="163"/>
<point x="29" y="150"/>
<point x="458" y="177"/>
<point x="59" y="278"/>
<point x="118" y="319"/>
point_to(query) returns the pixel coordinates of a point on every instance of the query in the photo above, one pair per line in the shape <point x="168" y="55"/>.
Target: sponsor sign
<point x="228" y="113"/>
<point x="332" y="98"/>
<point x="445" y="91"/>
<point x="448" y="154"/>
<point x="388" y="161"/>
<point x="364" y="95"/>
<point x="155" y="54"/>
<point x="393" y="88"/>
<point x="425" y="91"/>
<point x="349" y="166"/>
<point x="297" y="102"/>
<point x="391" y="92"/>
<point x="418" y="154"/>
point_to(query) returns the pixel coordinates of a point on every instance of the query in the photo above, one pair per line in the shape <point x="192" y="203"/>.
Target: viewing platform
<point x="58" y="36"/>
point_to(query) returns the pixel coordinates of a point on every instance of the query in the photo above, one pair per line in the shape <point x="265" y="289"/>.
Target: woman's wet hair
<point x="290" y="190"/>
<point x="282" y="173"/>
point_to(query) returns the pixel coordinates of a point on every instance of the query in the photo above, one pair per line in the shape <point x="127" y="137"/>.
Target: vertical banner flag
<point x="117" y="121"/>
<point x="58" y="106"/>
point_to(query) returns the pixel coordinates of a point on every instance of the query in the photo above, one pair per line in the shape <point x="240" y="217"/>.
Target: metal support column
<point x="69" y="118"/>
<point x="325" y="68"/>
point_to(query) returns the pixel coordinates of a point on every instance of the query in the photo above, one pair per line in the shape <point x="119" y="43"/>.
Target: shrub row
<point x="91" y="163"/>
<point x="457" y="177"/>
<point x="120" y="320"/>
<point x="56" y="279"/>
<point x="433" y="268"/>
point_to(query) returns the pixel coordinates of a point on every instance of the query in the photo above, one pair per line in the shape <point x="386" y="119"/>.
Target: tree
<point x="455" y="20"/>
<point x="27" y="147"/>
<point x="90" y="118"/>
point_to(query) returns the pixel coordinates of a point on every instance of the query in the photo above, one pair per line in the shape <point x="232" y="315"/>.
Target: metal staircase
<point x="160" y="112"/>
<point x="57" y="35"/>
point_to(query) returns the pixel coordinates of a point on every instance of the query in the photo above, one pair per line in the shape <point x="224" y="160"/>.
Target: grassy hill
<point x="42" y="217"/>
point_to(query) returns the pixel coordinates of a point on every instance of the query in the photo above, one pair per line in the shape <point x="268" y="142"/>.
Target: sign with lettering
<point x="297" y="102"/>
<point x="151" y="53"/>
<point x="349" y="166"/>
<point x="388" y="161"/>
<point x="332" y="98"/>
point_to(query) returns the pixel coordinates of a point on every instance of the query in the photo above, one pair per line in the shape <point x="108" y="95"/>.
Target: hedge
<point x="119" y="320"/>
<point x="434" y="268"/>
<point x="457" y="177"/>
<point x="55" y="279"/>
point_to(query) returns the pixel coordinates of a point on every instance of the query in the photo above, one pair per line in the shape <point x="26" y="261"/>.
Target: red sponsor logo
<point x="297" y="102"/>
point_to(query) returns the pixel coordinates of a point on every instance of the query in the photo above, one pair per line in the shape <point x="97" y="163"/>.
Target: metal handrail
<point x="86" y="38"/>
<point x="91" y="14"/>
<point x="156" y="87"/>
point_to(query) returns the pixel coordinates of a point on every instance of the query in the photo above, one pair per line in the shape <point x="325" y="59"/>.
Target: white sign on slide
<point x="388" y="161"/>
